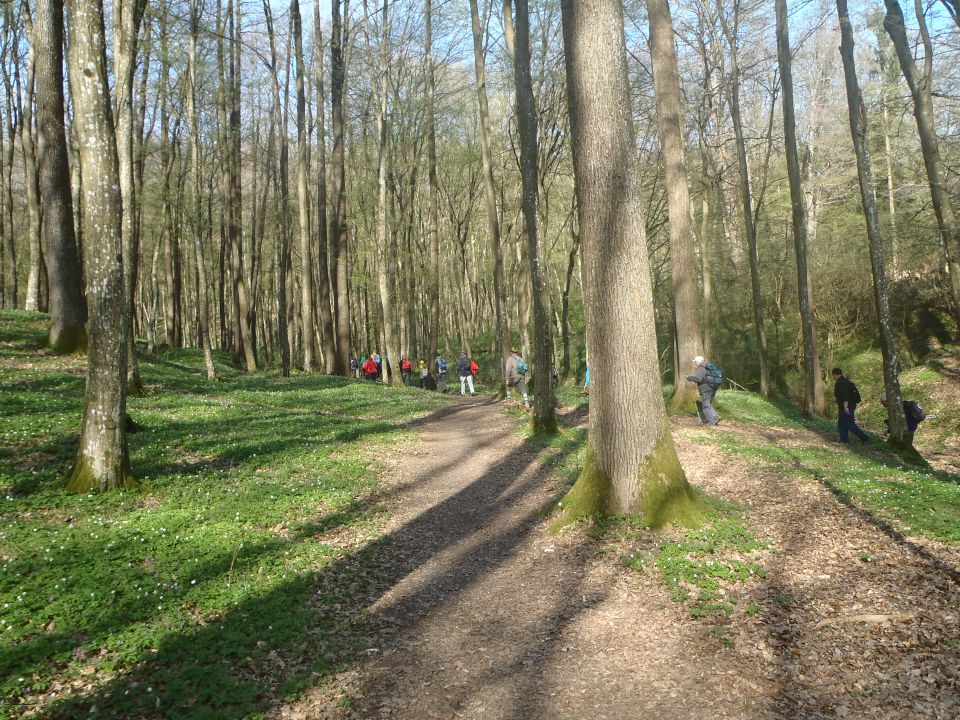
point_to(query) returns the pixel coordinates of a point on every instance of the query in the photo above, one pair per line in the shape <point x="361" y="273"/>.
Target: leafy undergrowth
<point x="233" y="582"/>
<point x="702" y="568"/>
<point x="911" y="499"/>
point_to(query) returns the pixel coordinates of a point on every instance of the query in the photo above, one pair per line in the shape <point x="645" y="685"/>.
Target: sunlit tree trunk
<point x="102" y="461"/>
<point x="433" y="217"/>
<point x="858" y="131"/>
<point x="632" y="465"/>
<point x="490" y="193"/>
<point x="666" y="78"/>
<point x="814" y="400"/>
<point x="34" y="270"/>
<point x="338" y="215"/>
<point x="328" y="338"/>
<point x="68" y="308"/>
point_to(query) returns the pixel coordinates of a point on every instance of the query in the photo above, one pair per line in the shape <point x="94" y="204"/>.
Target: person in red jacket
<point x="370" y="369"/>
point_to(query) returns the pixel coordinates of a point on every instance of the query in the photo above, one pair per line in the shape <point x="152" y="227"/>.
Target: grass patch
<point x="238" y="579"/>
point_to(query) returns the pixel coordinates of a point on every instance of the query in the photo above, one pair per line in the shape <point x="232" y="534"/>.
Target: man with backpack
<point x="405" y="367"/>
<point x="441" y="365"/>
<point x="708" y="378"/>
<point x="516" y="372"/>
<point x="370" y="368"/>
<point x="464" y="365"/>
<point x="847" y="397"/>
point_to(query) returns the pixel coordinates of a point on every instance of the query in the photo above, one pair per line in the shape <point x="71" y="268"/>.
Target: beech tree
<point x="102" y="460"/>
<point x="631" y="465"/>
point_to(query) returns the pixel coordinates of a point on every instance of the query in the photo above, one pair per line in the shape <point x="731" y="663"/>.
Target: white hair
<point x="698" y="359"/>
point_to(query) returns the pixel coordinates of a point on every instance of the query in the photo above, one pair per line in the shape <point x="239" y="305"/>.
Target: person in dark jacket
<point x="466" y="374"/>
<point x="847" y="397"/>
<point x="707" y="391"/>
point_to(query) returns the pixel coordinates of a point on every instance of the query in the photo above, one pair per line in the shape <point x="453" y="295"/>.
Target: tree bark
<point x="814" y="400"/>
<point x="102" y="461"/>
<point x="68" y="307"/>
<point x="433" y="217"/>
<point x="858" y="131"/>
<point x="490" y="195"/>
<point x="34" y="270"/>
<point x="338" y="216"/>
<point x="920" y="92"/>
<point x="544" y="417"/>
<point x="666" y="78"/>
<point x="632" y="465"/>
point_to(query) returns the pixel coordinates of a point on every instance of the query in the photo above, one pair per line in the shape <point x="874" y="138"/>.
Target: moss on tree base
<point x="683" y="401"/>
<point x="81" y="478"/>
<point x="664" y="496"/>
<point x="544" y="426"/>
<point x="68" y="341"/>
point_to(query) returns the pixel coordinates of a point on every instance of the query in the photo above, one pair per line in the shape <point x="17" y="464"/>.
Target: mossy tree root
<point x="82" y="479"/>
<point x="68" y="341"/>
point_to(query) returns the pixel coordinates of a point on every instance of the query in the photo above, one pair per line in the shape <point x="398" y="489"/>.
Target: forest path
<point x="482" y="613"/>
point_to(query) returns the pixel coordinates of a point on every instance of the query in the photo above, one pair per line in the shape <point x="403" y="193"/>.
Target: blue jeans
<point x="846" y="424"/>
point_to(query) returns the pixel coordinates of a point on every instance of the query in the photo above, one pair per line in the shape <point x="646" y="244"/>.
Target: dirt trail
<point x="486" y="615"/>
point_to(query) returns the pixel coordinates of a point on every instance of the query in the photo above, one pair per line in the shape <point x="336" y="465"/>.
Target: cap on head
<point x="698" y="359"/>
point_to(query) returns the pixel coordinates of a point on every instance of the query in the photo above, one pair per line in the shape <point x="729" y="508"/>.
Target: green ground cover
<point x="913" y="500"/>
<point x="203" y="596"/>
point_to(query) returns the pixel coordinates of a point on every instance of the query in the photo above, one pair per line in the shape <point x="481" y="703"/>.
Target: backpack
<point x="855" y="394"/>
<point x="405" y="365"/>
<point x="522" y="366"/>
<point x="714" y="376"/>
<point x="441" y="365"/>
<point x="914" y="411"/>
<point x="474" y="367"/>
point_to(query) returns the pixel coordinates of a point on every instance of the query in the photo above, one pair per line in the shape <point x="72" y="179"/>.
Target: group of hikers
<point x="709" y="379"/>
<point x="433" y="376"/>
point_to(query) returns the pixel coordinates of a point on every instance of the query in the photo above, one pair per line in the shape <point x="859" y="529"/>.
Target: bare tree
<point x="632" y="465"/>
<point x="338" y="216"/>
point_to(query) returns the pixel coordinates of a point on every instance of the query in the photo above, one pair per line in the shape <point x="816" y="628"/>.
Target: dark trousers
<point x="846" y="424"/>
<point x="405" y="374"/>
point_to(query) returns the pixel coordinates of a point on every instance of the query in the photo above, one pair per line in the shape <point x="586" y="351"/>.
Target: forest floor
<point x="794" y="601"/>
<point x="311" y="547"/>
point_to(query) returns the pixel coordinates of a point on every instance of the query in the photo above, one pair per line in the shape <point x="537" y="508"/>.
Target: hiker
<point x="370" y="369"/>
<point x="441" y="365"/>
<point x="516" y="376"/>
<point x="354" y="367"/>
<point x="847" y="397"/>
<point x="912" y="412"/>
<point x="428" y="381"/>
<point x="708" y="378"/>
<point x="405" y="367"/>
<point x="466" y="374"/>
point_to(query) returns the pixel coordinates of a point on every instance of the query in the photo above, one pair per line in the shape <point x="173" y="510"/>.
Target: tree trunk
<point x="328" y="337"/>
<point x="102" y="461"/>
<point x="68" y="307"/>
<point x="814" y="400"/>
<point x="490" y="194"/>
<point x="338" y="216"/>
<point x="858" y="130"/>
<point x="920" y="91"/>
<point x="32" y="301"/>
<point x="203" y="311"/>
<point x="746" y="201"/>
<point x="632" y="465"/>
<point x="544" y="417"/>
<point x="666" y="77"/>
<point x="565" y="305"/>
<point x="433" y="218"/>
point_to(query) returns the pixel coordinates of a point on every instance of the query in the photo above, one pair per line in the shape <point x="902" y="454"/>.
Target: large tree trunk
<point x="544" y="417"/>
<point x="858" y="130"/>
<point x="433" y="217"/>
<point x="35" y="269"/>
<point x="328" y="337"/>
<point x="10" y="269"/>
<point x="920" y="91"/>
<point x="68" y="307"/>
<point x="490" y="195"/>
<point x="814" y="400"/>
<point x="746" y="200"/>
<point x="666" y="78"/>
<point x="338" y="216"/>
<point x="102" y="461"/>
<point x="203" y="311"/>
<point x="632" y="465"/>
